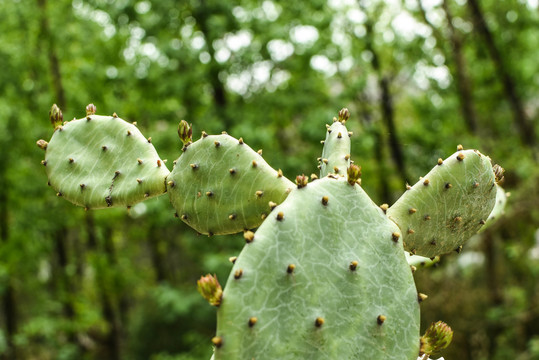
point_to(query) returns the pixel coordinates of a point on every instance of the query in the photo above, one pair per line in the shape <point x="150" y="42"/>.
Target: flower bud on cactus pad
<point x="210" y="289"/>
<point x="185" y="132"/>
<point x="55" y="116"/>
<point x="437" y="337"/>
<point x="90" y="109"/>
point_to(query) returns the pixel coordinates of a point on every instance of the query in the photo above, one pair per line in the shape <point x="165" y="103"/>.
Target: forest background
<point x="419" y="77"/>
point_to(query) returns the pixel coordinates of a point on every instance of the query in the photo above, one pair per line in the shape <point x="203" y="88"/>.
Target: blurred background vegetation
<point x="419" y="76"/>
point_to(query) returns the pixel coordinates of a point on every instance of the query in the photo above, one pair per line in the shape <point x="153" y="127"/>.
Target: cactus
<point x="326" y="274"/>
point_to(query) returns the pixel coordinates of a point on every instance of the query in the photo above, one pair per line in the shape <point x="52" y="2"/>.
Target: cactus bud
<point x="437" y="337"/>
<point x="301" y="181"/>
<point x="344" y="115"/>
<point x="185" y="131"/>
<point x="55" y="116"/>
<point x="210" y="289"/>
<point x="498" y="173"/>
<point x="90" y="109"/>
<point x="354" y="173"/>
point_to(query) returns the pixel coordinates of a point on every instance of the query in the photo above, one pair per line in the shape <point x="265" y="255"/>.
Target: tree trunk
<point x="522" y="122"/>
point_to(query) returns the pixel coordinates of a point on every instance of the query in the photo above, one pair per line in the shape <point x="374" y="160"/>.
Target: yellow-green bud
<point x="437" y="337"/>
<point x="210" y="289"/>
<point x="354" y="173"/>
<point x="185" y="131"/>
<point x="90" y="109"/>
<point x="55" y="116"/>
<point x="301" y="181"/>
<point x="344" y="114"/>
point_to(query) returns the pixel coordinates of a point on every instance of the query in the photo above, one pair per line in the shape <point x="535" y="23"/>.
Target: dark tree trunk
<point x="522" y="122"/>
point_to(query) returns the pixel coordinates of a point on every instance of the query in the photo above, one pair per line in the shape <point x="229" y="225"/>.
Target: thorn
<point x="413" y="268"/>
<point x="319" y="167"/>
<point x="82" y="186"/>
<point x="335" y="170"/>
<point x="104" y="148"/>
<point x="482" y="222"/>
<point x="139" y="161"/>
<point x="290" y="268"/>
<point x="426" y="217"/>
<point x="280" y="216"/>
<point x="204" y="134"/>
<point x="255" y="164"/>
<point x="149" y="140"/>
<point x="347" y="157"/>
<point x="339" y="135"/>
<point x="314" y="177"/>
<point x="322" y="142"/>
<point x="350" y="133"/>
<point x="440" y="161"/>
<point x="426" y="182"/>
<point x="408" y="187"/>
<point x="259" y="152"/>
<point x="238" y="274"/>
<point x="459" y="249"/>
<point x="457" y="219"/>
<point x="325" y="200"/>
<point x="171" y="183"/>
<point x="158" y="163"/>
<point x="259" y="193"/>
<point x="353" y="265"/>
<point x="279" y="173"/>
<point x="44" y="162"/>
<point x="233" y="259"/>
<point x="232" y="171"/>
<point x="384" y="207"/>
<point x="224" y="133"/>
<point x="460" y="157"/>
<point x="319" y="322"/>
<point x="217" y="144"/>
<point x="232" y="217"/>
<point x="114" y="115"/>
<point x="194" y="166"/>
<point x="421" y="297"/>
<point x="128" y="133"/>
<point x="147" y="195"/>
<point x="448" y="185"/>
<point x="134" y="123"/>
<point x="459" y="147"/>
<point x="410" y="231"/>
<point x="272" y="205"/>
<point x="433" y="242"/>
<point x="396" y="236"/>
<point x="209" y="193"/>
<point x="42" y="144"/>
<point x="217" y="341"/>
<point x="139" y="181"/>
<point x="412" y="211"/>
<point x="381" y="319"/>
<point x="252" y="321"/>
<point x="475" y="184"/>
<point x="325" y="161"/>
<point x="240" y="141"/>
<point x="248" y="236"/>
<point x="263" y="216"/>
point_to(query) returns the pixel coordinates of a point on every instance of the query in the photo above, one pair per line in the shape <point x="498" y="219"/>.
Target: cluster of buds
<point x="90" y="109"/>
<point x="344" y="114"/>
<point x="210" y="289"/>
<point x="301" y="181"/>
<point x="437" y="337"/>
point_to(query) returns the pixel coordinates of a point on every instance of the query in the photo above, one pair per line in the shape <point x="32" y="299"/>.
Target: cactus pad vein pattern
<point x="348" y="271"/>
<point x="219" y="185"/>
<point x="103" y="161"/>
<point x="448" y="205"/>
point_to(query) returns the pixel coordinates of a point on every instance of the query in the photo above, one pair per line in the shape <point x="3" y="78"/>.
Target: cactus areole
<point x="325" y="275"/>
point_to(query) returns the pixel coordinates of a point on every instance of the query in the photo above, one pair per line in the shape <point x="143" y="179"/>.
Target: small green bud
<point x="185" y="131"/>
<point x="437" y="337"/>
<point x="301" y="181"/>
<point x="498" y="173"/>
<point x="354" y="173"/>
<point x="55" y="116"/>
<point x="344" y="115"/>
<point x="210" y="289"/>
<point x="90" y="109"/>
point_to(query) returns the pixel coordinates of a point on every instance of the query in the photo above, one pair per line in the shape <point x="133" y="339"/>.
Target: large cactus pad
<point x="325" y="277"/>
<point x="219" y="185"/>
<point x="447" y="206"/>
<point x="103" y="161"/>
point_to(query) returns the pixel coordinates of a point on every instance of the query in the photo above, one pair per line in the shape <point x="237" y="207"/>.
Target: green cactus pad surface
<point x="325" y="277"/>
<point x="447" y="206"/>
<point x="336" y="153"/>
<point x="499" y="208"/>
<point x="219" y="185"/>
<point x="103" y="161"/>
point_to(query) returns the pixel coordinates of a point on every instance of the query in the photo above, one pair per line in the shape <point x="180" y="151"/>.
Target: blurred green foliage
<point x="122" y="285"/>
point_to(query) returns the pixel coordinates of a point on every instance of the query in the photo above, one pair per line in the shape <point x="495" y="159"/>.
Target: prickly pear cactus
<point x="219" y="185"/>
<point x="310" y="283"/>
<point x="103" y="161"/>
<point x="336" y="153"/>
<point x="448" y="205"/>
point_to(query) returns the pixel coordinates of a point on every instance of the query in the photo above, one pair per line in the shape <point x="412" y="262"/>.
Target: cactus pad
<point x="103" y="161"/>
<point x="336" y="153"/>
<point x="219" y="185"/>
<point x="325" y="277"/>
<point x="447" y="206"/>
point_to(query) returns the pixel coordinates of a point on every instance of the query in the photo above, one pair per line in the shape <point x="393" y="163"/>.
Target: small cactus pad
<point x="313" y="278"/>
<point x="447" y="206"/>
<point x="219" y="185"/>
<point x="336" y="153"/>
<point x="103" y="161"/>
<point x="499" y="208"/>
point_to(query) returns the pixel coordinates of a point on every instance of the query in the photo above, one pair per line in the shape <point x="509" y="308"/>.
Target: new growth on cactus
<point x="327" y="273"/>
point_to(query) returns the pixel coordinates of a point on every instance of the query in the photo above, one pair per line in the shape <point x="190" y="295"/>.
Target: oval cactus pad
<point x="103" y="161"/>
<point x="448" y="205"/>
<point x="308" y="285"/>
<point x="219" y="185"/>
